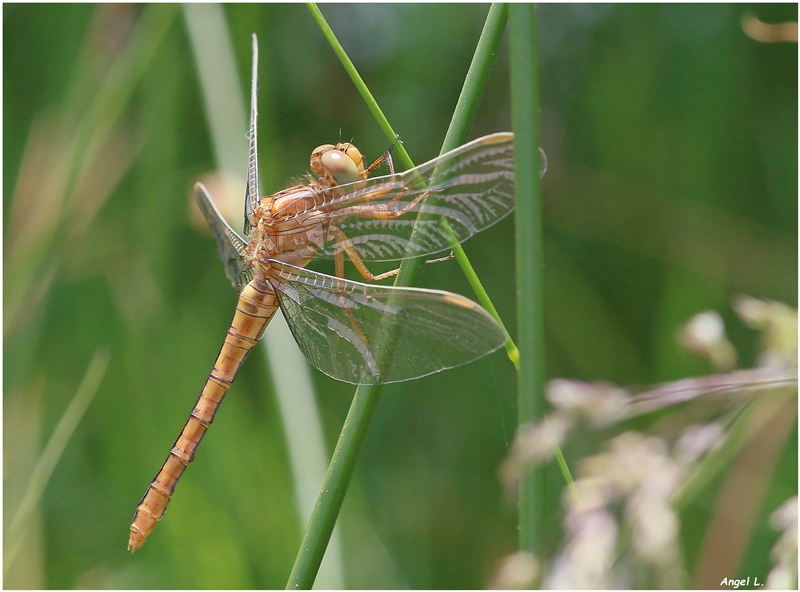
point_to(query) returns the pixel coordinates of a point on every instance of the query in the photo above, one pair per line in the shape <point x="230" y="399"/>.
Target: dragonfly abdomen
<point x="256" y="306"/>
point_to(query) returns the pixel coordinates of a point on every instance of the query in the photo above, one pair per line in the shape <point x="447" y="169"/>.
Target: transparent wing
<point x="230" y="245"/>
<point x="471" y="187"/>
<point x="364" y="334"/>
<point x="251" y="196"/>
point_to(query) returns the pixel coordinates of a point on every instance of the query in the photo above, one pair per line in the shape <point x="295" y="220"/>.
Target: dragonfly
<point x="352" y="331"/>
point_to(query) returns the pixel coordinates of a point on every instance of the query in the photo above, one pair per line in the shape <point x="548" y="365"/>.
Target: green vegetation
<point x="672" y="186"/>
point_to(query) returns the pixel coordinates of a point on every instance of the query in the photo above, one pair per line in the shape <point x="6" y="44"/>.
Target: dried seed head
<point x="534" y="445"/>
<point x="600" y="403"/>
<point x="704" y="335"/>
<point x="696" y="441"/>
<point x="778" y="325"/>
<point x="784" y="554"/>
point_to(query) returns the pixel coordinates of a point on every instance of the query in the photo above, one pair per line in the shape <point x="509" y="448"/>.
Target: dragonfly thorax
<point x="288" y="225"/>
<point x="285" y="226"/>
<point x="295" y="248"/>
<point x="288" y="205"/>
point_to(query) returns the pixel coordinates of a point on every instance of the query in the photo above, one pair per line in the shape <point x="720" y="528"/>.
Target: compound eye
<point x="339" y="166"/>
<point x="355" y="155"/>
<point x="324" y="148"/>
<point x="316" y="155"/>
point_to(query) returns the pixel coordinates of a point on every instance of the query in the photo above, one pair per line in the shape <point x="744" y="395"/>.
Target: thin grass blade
<point x="52" y="453"/>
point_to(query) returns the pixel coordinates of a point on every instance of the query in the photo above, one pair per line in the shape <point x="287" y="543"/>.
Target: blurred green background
<point x="672" y="186"/>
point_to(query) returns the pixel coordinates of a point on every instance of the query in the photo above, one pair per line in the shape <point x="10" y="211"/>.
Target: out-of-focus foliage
<point x="672" y="185"/>
<point x="622" y="523"/>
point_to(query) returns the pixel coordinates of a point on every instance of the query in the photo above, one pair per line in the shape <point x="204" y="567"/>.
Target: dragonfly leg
<point x="356" y="205"/>
<point x="440" y="259"/>
<point x="352" y="253"/>
<point x="347" y="247"/>
<point x="338" y="261"/>
<point x="355" y="326"/>
<point x="386" y="211"/>
<point x="385" y="157"/>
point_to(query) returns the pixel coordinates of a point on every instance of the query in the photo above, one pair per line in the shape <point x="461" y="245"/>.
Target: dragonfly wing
<point x="230" y="245"/>
<point x="471" y="188"/>
<point x="251" y="197"/>
<point x="363" y="334"/>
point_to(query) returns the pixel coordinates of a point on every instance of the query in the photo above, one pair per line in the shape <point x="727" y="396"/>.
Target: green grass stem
<point x="463" y="117"/>
<point x="366" y="397"/>
<point x="477" y="77"/>
<point x="529" y="255"/>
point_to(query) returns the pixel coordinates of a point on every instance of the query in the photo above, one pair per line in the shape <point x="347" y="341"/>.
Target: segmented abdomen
<point x="257" y="304"/>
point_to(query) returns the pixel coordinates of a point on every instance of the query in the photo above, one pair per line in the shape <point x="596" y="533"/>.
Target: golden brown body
<point x="256" y="307"/>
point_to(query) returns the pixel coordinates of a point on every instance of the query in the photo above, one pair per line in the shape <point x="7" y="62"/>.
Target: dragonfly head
<point x="338" y="164"/>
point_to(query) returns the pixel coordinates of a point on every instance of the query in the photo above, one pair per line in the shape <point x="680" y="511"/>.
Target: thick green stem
<point x="529" y="256"/>
<point x="337" y="479"/>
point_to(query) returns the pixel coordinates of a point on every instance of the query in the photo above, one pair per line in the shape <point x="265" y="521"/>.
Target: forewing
<point x="365" y="334"/>
<point x="471" y="187"/>
<point x="230" y="245"/>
